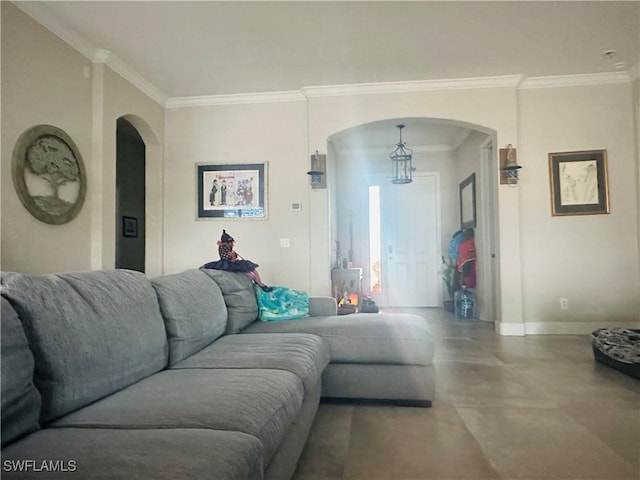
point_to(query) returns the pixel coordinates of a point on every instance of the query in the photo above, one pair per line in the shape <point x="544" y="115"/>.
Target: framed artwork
<point x="468" y="202"/>
<point x="129" y="227"/>
<point x="232" y="191"/>
<point x="579" y="183"/>
<point x="48" y="174"/>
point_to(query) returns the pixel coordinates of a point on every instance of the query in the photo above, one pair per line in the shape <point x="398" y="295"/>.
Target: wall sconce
<point x="508" y="166"/>
<point x="317" y="174"/>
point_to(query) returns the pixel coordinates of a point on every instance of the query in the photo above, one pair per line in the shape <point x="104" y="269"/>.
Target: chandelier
<point x="401" y="165"/>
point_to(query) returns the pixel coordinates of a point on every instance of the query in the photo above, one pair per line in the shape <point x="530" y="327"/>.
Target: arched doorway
<point x="447" y="151"/>
<point x="130" y="197"/>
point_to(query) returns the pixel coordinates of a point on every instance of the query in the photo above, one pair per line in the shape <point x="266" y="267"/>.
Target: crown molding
<point x="234" y="99"/>
<point x="125" y="71"/>
<point x="504" y="81"/>
<point x="41" y="14"/>
<point x="574" y="80"/>
<point x="100" y="55"/>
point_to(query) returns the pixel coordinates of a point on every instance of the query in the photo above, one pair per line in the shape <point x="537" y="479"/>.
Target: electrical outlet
<point x="284" y="243"/>
<point x="564" y="304"/>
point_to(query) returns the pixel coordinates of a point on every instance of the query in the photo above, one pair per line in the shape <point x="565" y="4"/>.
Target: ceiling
<point x="197" y="48"/>
<point x="183" y="49"/>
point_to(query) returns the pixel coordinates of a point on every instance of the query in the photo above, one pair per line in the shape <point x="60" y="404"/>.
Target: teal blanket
<point x="281" y="303"/>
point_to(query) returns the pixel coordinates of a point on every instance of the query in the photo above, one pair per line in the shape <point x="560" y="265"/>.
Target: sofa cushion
<point x="262" y="403"/>
<point x="322" y="306"/>
<point x="20" y="399"/>
<point x="91" y="333"/>
<point x="299" y="353"/>
<point x="237" y="289"/>
<point x="193" y="310"/>
<point x="110" y="454"/>
<point x="398" y="338"/>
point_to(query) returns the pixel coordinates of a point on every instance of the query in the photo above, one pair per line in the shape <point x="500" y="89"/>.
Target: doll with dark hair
<point x="232" y="262"/>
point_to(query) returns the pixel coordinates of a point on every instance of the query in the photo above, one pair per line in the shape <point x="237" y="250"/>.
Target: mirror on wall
<point x="468" y="202"/>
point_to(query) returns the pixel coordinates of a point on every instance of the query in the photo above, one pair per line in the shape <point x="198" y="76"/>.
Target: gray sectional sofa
<point x="112" y="375"/>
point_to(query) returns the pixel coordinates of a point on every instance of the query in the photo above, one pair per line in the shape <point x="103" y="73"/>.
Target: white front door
<point x="410" y="237"/>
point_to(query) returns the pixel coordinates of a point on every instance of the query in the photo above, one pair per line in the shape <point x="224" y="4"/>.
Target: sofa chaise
<point x="112" y="375"/>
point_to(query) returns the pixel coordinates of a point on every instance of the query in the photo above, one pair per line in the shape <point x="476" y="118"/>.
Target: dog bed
<point x="618" y="348"/>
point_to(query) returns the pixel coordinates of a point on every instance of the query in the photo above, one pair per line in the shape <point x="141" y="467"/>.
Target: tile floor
<point x="535" y="407"/>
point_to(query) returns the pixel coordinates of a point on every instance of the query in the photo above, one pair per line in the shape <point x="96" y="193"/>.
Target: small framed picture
<point x="579" y="184"/>
<point x="232" y="191"/>
<point x="129" y="227"/>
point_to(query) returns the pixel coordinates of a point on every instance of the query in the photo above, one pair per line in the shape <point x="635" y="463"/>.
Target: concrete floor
<point x="535" y="407"/>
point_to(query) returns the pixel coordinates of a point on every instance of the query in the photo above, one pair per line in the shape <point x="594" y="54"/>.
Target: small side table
<point x="346" y="282"/>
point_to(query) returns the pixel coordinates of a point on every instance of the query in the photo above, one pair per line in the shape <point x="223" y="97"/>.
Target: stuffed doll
<point x="232" y="262"/>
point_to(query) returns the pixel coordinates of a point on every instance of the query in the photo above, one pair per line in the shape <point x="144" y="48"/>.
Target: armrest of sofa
<point x="322" y="306"/>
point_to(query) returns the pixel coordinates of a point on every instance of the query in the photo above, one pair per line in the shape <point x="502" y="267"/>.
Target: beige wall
<point x="636" y="102"/>
<point x="269" y="133"/>
<point x="592" y="260"/>
<point x="45" y="81"/>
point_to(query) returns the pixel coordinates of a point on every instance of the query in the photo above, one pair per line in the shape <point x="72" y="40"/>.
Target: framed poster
<point x="579" y="184"/>
<point x="232" y="191"/>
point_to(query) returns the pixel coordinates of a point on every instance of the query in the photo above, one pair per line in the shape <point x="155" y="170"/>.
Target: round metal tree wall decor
<point x="48" y="174"/>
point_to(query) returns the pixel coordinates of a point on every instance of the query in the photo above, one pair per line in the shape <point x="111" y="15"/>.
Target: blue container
<point x="465" y="303"/>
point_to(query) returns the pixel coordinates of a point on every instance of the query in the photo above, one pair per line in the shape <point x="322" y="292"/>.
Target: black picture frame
<point x="244" y="193"/>
<point x="129" y="227"/>
<point x="579" y="183"/>
<point x="468" y="217"/>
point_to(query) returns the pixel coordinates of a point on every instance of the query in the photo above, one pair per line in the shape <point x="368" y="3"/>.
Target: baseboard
<point x="510" y="329"/>
<point x="557" y="328"/>
<point x="572" y="328"/>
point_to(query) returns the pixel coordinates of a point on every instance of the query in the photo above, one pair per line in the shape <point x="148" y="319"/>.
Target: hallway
<point x="535" y="407"/>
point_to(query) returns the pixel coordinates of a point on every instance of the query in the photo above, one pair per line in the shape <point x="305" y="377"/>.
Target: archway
<point x="447" y="149"/>
<point x="130" y="197"/>
<point x="138" y="206"/>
